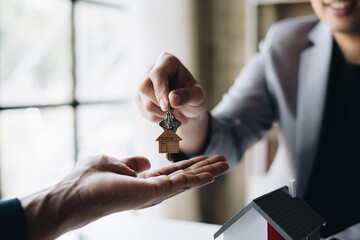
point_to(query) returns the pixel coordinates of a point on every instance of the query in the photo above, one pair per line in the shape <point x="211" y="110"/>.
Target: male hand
<point x="169" y="80"/>
<point x="99" y="186"/>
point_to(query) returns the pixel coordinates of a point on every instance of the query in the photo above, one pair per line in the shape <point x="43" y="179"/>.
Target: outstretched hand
<point x="102" y="185"/>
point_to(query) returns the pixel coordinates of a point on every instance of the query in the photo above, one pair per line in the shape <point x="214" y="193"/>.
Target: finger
<point x="146" y="88"/>
<point x="187" y="180"/>
<point x="175" y="167"/>
<point x="208" y="161"/>
<point x="110" y="164"/>
<point x="146" y="114"/>
<point x="165" y="186"/>
<point x="166" y="68"/>
<point x="152" y="108"/>
<point x="192" y="96"/>
<point x="137" y="164"/>
<point x="215" y="169"/>
<point x="203" y="163"/>
<point x="180" y="185"/>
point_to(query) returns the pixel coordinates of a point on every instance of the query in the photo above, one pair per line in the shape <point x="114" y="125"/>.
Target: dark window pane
<point x="102" y="48"/>
<point x="36" y="148"/>
<point x="35" y="52"/>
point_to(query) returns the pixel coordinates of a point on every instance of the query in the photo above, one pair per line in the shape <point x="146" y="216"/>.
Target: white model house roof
<point x="290" y="216"/>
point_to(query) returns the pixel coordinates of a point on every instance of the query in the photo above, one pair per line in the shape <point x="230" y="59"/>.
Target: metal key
<point x="170" y="122"/>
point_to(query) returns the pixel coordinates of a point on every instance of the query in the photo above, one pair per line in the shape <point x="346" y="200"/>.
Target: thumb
<point x="193" y="96"/>
<point x="137" y="164"/>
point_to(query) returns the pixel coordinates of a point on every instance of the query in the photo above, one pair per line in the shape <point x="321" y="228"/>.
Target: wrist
<point x="194" y="134"/>
<point x="46" y="212"/>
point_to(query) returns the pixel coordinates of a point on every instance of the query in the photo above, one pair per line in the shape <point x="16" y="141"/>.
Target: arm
<point x="239" y="120"/>
<point x="244" y="114"/>
<point x="103" y="185"/>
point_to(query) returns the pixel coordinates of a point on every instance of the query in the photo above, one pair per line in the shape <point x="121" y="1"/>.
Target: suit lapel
<point x="313" y="78"/>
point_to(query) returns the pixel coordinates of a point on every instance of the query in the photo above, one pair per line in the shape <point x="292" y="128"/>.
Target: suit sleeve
<point x="12" y="220"/>
<point x="245" y="112"/>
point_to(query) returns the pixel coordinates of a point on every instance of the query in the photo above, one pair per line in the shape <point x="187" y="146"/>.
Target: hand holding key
<point x="186" y="96"/>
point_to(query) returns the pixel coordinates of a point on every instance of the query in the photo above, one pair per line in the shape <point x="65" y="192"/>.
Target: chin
<point x="345" y="27"/>
<point x="341" y="15"/>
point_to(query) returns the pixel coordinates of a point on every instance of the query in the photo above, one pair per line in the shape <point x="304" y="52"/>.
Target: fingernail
<point x="177" y="99"/>
<point x="162" y="105"/>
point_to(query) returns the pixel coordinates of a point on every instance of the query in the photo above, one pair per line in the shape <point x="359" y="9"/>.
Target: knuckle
<point x="199" y="90"/>
<point x="171" y="58"/>
<point x="153" y="118"/>
<point x="149" y="106"/>
<point x="186" y="96"/>
<point x="159" y="92"/>
<point x="104" y="158"/>
<point x="145" y="85"/>
<point x="165" y="54"/>
<point x="157" y="74"/>
<point x="199" y="94"/>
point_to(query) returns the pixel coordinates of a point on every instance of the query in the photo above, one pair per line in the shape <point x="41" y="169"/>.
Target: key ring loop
<point x="169" y="107"/>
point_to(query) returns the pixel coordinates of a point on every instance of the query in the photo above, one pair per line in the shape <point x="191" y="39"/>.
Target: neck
<point x="349" y="45"/>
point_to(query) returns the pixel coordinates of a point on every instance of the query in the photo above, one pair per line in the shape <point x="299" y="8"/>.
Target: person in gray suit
<point x="306" y="77"/>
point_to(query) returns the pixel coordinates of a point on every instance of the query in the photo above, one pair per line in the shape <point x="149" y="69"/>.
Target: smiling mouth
<point x="341" y="7"/>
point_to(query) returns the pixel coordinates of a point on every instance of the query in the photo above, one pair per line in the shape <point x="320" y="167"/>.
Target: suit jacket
<point x="286" y="82"/>
<point x="12" y="220"/>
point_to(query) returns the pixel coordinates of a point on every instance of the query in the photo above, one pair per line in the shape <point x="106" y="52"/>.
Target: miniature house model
<point x="168" y="142"/>
<point x="277" y="215"/>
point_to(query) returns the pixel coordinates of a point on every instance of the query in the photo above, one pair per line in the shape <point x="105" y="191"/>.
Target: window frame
<point x="74" y="103"/>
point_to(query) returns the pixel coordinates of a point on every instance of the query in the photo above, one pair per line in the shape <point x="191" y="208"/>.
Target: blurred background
<point x="69" y="71"/>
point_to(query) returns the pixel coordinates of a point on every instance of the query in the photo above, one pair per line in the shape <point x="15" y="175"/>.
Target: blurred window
<point x="63" y="88"/>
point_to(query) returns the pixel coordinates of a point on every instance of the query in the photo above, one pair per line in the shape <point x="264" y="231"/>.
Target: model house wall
<point x="251" y="226"/>
<point x="168" y="147"/>
<point x="168" y="142"/>
<point x="273" y="234"/>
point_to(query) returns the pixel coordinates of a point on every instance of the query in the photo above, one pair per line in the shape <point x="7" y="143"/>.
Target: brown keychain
<point x="169" y="140"/>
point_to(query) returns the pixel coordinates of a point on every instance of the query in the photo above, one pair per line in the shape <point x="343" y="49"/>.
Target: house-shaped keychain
<point x="168" y="142"/>
<point x="278" y="215"/>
